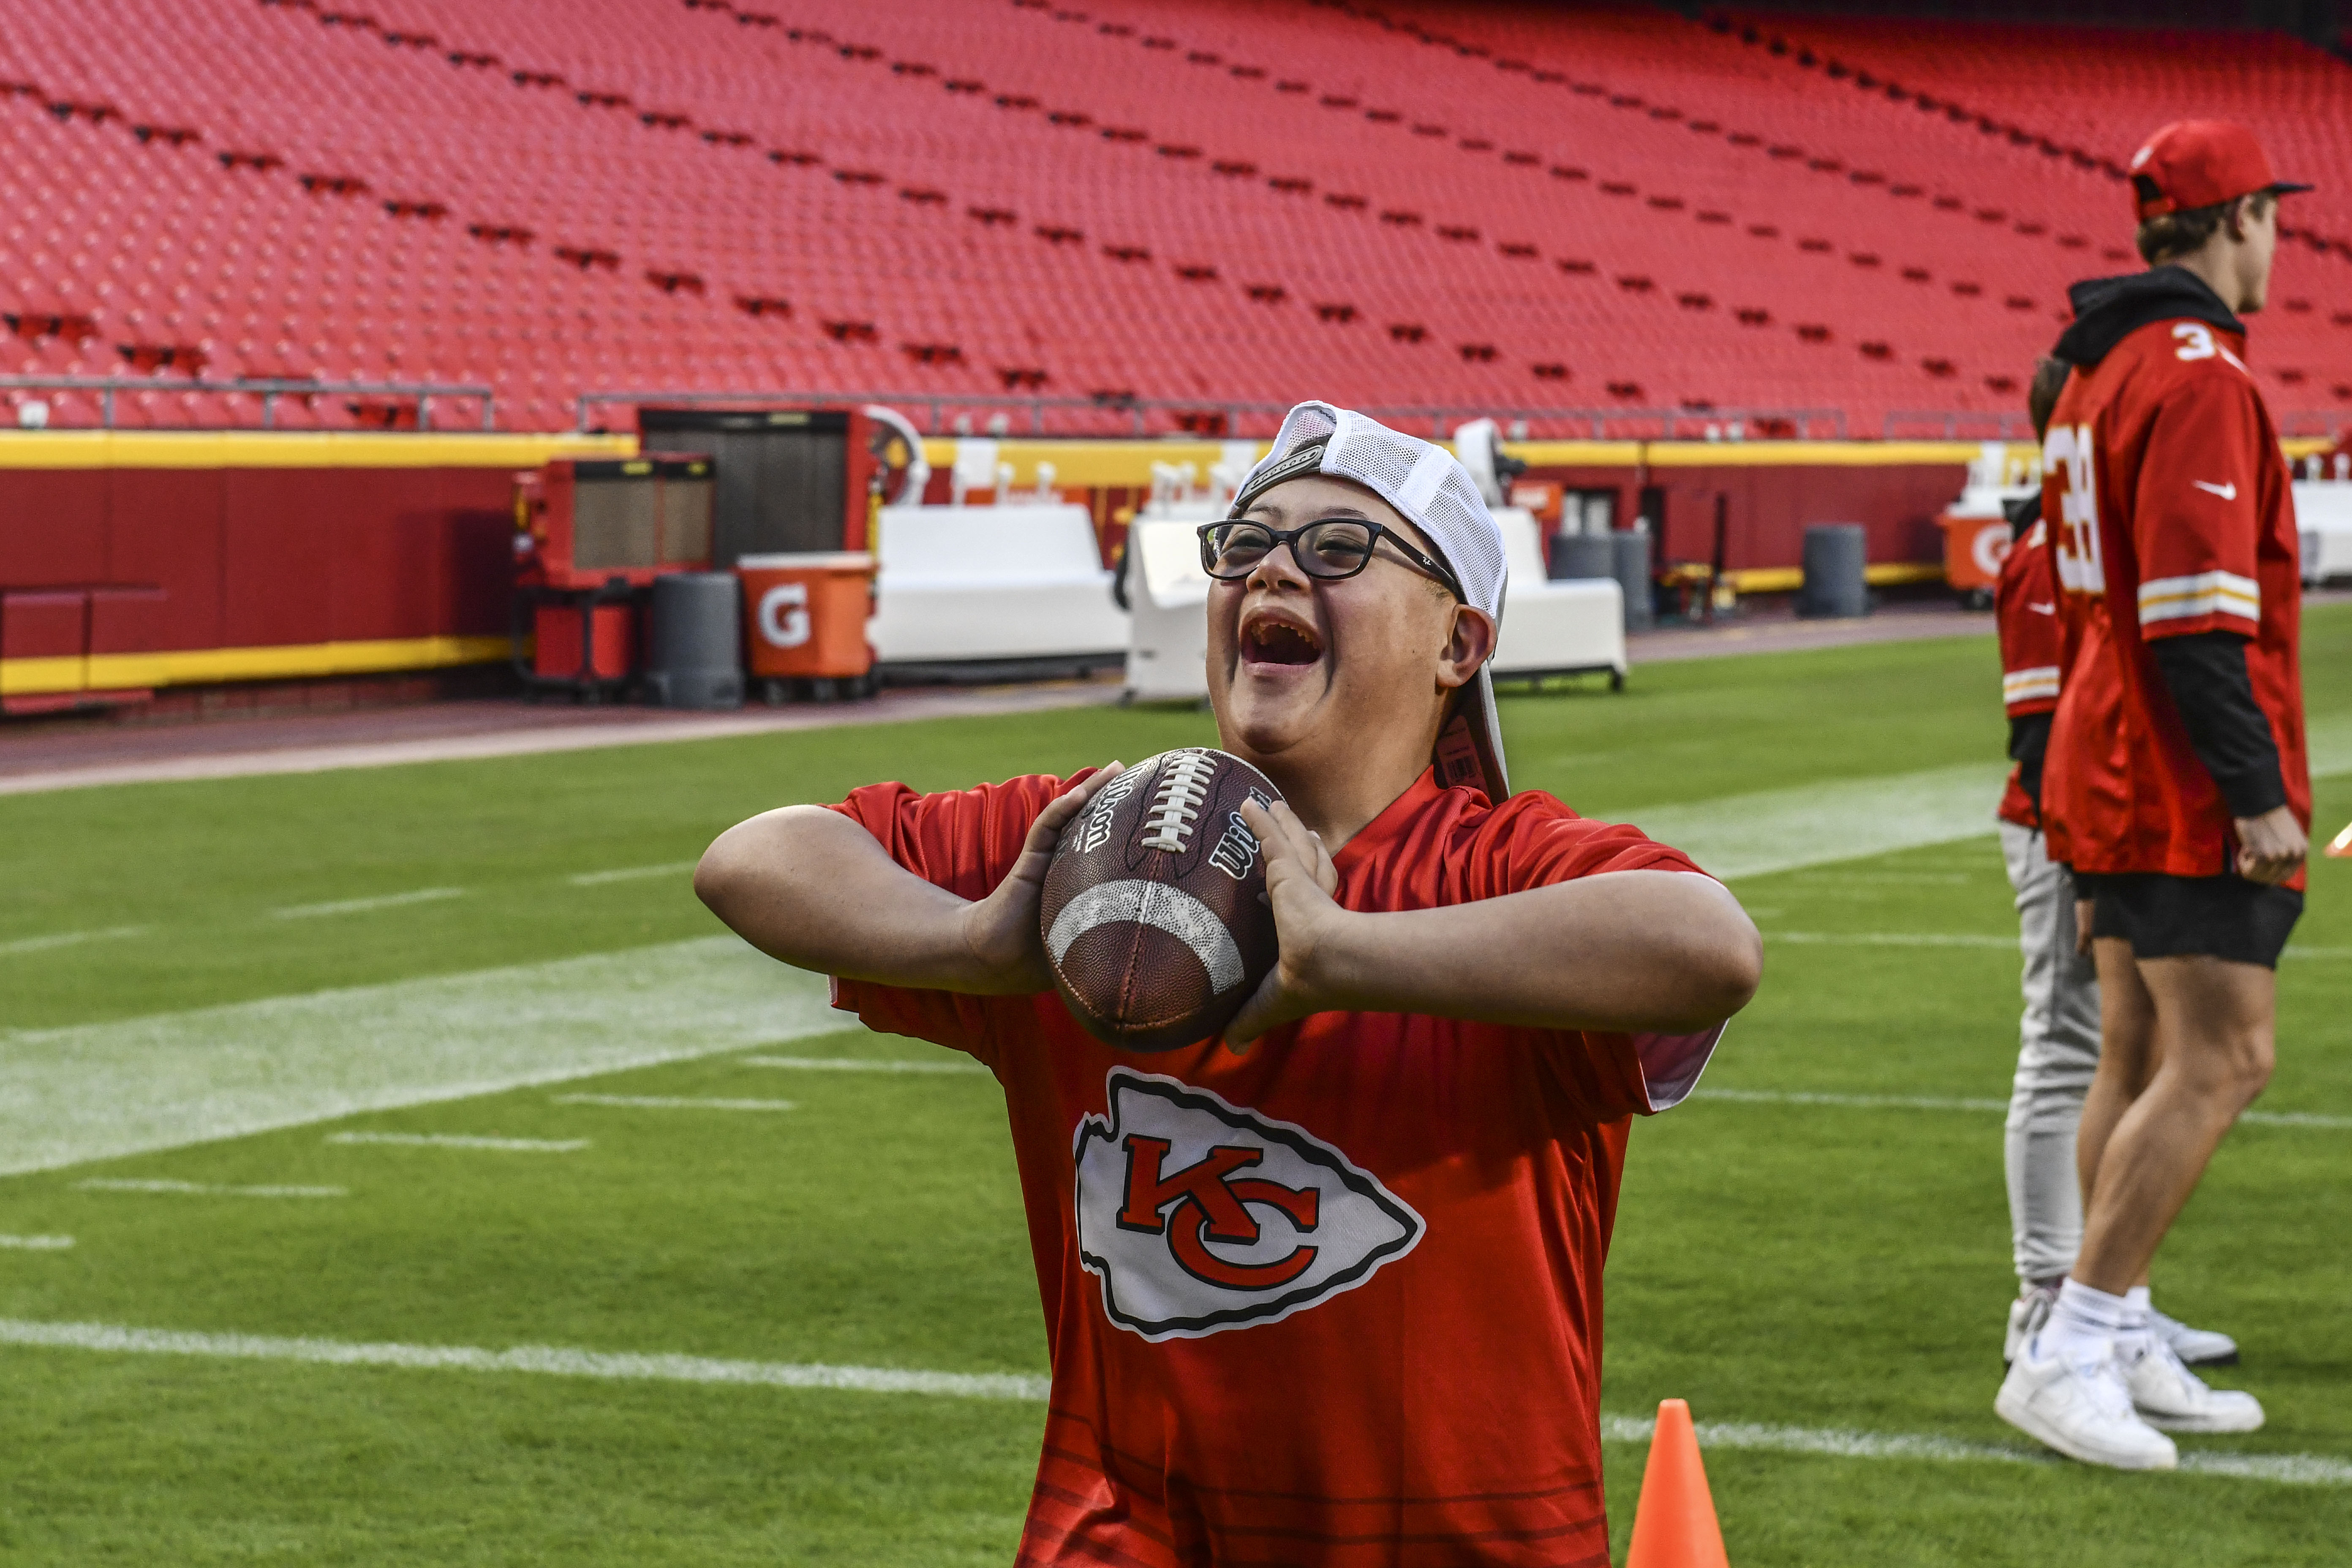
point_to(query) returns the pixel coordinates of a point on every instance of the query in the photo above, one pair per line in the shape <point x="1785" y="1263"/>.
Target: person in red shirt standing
<point x="2176" y="785"/>
<point x="2058" y="1035"/>
<point x="1327" y="1291"/>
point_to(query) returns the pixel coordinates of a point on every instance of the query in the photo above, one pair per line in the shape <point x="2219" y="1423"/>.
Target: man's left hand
<point x="1300" y="882"/>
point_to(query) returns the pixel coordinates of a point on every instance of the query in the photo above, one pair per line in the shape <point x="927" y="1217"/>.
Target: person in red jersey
<point x="2058" y="1034"/>
<point x="2176" y="785"/>
<point x="1327" y="1292"/>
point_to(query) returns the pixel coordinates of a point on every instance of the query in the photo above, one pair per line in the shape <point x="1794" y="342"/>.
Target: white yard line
<point x="362" y="906"/>
<point x="1834" y="820"/>
<point x="464" y="1140"/>
<point x="672" y="1102"/>
<point x="1849" y="1101"/>
<point x="861" y="1064"/>
<point x="1965" y="939"/>
<point x="68" y="939"/>
<point x="35" y="1242"/>
<point x="95" y="1091"/>
<point x="1891" y="939"/>
<point x="632" y="874"/>
<point x="1938" y="1102"/>
<point x="2291" y="1469"/>
<point x="2299" y="1469"/>
<point x="541" y="1359"/>
<point x="130" y="1185"/>
<point x="893" y="707"/>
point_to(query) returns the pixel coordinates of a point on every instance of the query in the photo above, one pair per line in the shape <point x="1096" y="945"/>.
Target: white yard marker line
<point x="860" y="1063"/>
<point x="2297" y="1469"/>
<point x="1938" y="878"/>
<point x="631" y="874"/>
<point x="1962" y="939"/>
<point x="128" y="1184"/>
<point x="541" y="1359"/>
<point x="362" y="906"/>
<point x="672" y="1102"/>
<point x="68" y="939"/>
<point x="1849" y="1101"/>
<point x="35" y="1242"/>
<point x="1831" y="821"/>
<point x="1891" y="939"/>
<point x="464" y="1140"/>
<point x="2291" y="1469"/>
<point x="1938" y="1102"/>
<point x="97" y="1091"/>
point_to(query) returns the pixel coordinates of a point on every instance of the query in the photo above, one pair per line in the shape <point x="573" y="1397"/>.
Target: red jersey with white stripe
<point x="2025" y="608"/>
<point x="2166" y="496"/>
<point x="1335" y="1301"/>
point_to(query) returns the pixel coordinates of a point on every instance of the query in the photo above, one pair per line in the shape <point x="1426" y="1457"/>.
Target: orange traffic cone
<point x="2341" y="847"/>
<point x="1673" y="1524"/>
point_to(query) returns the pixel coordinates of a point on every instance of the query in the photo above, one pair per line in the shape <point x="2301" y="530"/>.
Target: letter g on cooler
<point x="784" y="617"/>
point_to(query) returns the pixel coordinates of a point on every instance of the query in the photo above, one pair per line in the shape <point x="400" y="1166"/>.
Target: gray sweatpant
<point x="2057" y="1055"/>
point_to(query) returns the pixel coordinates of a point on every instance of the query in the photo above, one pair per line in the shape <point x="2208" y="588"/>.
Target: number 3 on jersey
<point x="2067" y="465"/>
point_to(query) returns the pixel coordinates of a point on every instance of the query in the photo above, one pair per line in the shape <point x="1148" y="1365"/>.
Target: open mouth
<point x="1269" y="641"/>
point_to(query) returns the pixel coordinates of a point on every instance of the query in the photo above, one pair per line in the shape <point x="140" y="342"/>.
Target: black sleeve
<point x="2206" y="672"/>
<point x="2029" y="742"/>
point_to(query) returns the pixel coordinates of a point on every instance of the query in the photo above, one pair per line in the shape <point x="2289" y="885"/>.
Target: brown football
<point x="1154" y="914"/>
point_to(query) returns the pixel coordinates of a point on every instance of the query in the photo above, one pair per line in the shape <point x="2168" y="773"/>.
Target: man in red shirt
<point x="1333" y="1298"/>
<point x="2058" y="1035"/>
<point x="2176" y="785"/>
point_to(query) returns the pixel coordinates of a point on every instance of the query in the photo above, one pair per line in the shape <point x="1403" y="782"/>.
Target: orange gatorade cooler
<point x="1974" y="548"/>
<point x="805" y="622"/>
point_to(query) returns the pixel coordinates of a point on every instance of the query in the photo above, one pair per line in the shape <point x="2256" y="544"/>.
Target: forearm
<point x="1639" y="950"/>
<point x="814" y="888"/>
<point x="2206" y="674"/>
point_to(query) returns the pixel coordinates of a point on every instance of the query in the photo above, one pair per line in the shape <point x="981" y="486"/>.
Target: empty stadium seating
<point x="1418" y="204"/>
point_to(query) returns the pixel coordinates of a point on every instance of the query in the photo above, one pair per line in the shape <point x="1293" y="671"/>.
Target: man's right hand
<point x="2272" y="846"/>
<point x="1000" y="929"/>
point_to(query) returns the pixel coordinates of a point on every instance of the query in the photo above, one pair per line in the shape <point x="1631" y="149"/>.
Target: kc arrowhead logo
<point x="1200" y="1215"/>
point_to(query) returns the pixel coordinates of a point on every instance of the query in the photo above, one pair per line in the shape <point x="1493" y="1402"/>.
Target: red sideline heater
<point x="591" y="533"/>
<point x="584" y="523"/>
<point x="790" y="481"/>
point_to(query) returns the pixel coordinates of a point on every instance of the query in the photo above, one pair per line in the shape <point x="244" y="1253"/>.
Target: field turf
<point x="1816" y="1272"/>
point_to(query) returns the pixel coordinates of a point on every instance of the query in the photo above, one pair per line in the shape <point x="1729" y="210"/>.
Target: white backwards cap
<point x="1436" y="494"/>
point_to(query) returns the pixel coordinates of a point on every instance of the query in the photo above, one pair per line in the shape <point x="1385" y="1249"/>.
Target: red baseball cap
<point x="2194" y="163"/>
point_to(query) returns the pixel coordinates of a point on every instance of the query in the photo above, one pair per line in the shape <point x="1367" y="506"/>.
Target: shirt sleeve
<point x="2194" y="519"/>
<point x="964" y="841"/>
<point x="1540" y="843"/>
<point x="2025" y="611"/>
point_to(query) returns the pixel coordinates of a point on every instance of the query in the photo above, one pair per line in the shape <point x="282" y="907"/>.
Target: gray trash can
<point x="1582" y="555"/>
<point x="1630" y="548"/>
<point x="694" y="657"/>
<point x="1834" y="584"/>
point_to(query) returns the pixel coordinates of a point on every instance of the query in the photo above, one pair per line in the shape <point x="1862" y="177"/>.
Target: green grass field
<point x="1836" y="1267"/>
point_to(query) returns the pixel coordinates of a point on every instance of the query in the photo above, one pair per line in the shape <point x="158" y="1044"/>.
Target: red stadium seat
<point x="1209" y="199"/>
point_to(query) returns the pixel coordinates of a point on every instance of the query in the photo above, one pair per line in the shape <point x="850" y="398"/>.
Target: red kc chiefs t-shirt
<point x="2167" y="499"/>
<point x="2025" y="609"/>
<point x="1335" y="1301"/>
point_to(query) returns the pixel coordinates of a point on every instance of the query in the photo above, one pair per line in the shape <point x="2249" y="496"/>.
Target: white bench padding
<point x="992" y="583"/>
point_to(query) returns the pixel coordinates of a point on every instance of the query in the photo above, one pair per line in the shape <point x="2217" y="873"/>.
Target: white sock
<point x="2134" y="1340"/>
<point x="2085" y="1324"/>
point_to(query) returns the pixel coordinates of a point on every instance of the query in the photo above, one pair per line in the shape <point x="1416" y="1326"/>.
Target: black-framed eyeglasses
<point x="1328" y="549"/>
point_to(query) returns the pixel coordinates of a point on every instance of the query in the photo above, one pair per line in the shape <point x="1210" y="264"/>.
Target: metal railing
<point x="2013" y="425"/>
<point x="1956" y="424"/>
<point x="1212" y="418"/>
<point x="268" y="389"/>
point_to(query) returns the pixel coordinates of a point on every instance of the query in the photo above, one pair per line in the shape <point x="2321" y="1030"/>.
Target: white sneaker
<point x="2195" y="1347"/>
<point x="2168" y="1396"/>
<point x="2081" y="1407"/>
<point x="2026" y="1316"/>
